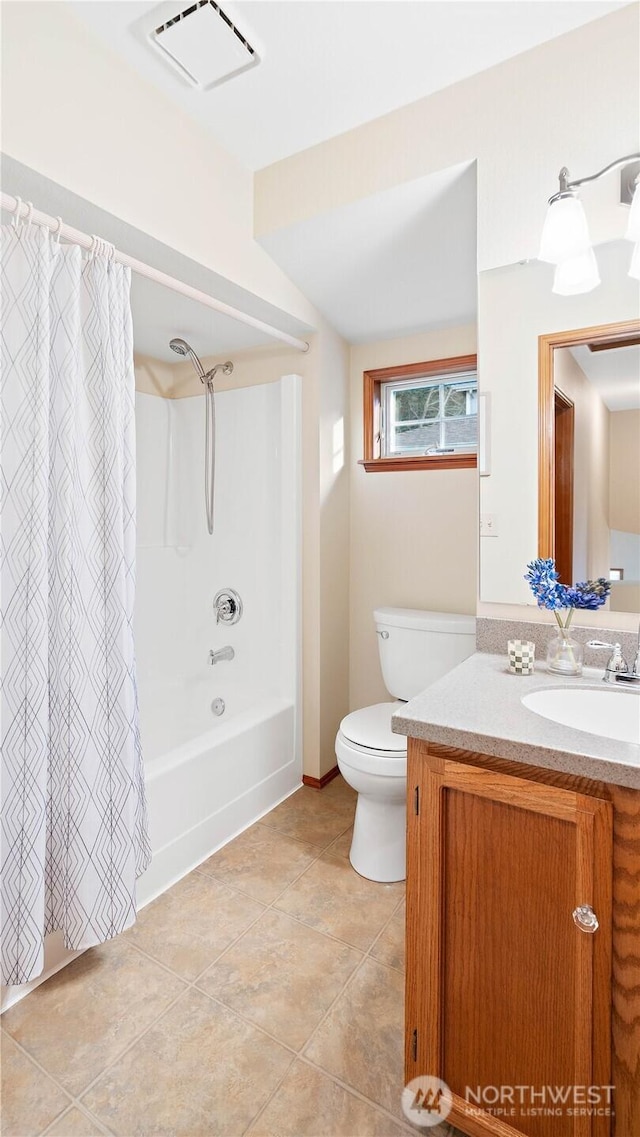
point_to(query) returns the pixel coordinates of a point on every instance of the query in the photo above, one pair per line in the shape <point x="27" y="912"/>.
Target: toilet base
<point x="378" y="849"/>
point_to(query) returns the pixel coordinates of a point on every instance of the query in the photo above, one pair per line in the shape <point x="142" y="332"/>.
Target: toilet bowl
<point x="373" y="761"/>
<point x="416" y="648"/>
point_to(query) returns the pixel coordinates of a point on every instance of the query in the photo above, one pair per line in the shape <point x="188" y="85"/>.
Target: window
<point x="421" y="416"/>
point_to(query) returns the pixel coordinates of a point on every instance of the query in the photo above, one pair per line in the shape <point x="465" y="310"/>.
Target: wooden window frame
<point x="372" y="383"/>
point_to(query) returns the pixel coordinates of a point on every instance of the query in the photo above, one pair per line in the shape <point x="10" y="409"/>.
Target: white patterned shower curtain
<point x="74" y="833"/>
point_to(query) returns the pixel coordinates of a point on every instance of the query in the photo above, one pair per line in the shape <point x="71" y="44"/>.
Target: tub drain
<point x="218" y="706"/>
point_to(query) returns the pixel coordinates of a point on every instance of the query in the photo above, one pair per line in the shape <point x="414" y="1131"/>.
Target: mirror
<point x="589" y="457"/>
<point x="518" y="311"/>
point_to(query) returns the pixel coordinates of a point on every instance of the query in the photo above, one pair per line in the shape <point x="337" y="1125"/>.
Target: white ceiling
<point x="615" y="374"/>
<point x="158" y="313"/>
<point x="398" y="262"/>
<point x="329" y="65"/>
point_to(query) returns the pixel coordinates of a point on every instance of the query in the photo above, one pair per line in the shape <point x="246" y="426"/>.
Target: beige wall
<point x="333" y="488"/>
<point x="413" y="534"/>
<point x="155" y="377"/>
<point x="571" y="101"/>
<point x="624" y="485"/>
<point x="325" y="521"/>
<point x="590" y="469"/>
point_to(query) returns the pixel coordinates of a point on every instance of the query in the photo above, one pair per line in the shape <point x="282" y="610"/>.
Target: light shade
<point x="576" y="275"/>
<point x="565" y="234"/>
<point x="633" y="225"/>
<point x="634" y="267"/>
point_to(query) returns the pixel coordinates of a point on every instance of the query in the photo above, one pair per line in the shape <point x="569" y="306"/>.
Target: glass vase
<point x="564" y="654"/>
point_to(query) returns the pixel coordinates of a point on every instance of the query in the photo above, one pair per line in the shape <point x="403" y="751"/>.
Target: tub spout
<point x="222" y="653"/>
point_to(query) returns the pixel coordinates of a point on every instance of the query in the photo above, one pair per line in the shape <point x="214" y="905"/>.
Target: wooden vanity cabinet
<point x="506" y="988"/>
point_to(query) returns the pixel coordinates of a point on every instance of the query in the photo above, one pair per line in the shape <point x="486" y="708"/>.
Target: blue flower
<point x="543" y="580"/>
<point x="545" y="585"/>
<point x="590" y="594"/>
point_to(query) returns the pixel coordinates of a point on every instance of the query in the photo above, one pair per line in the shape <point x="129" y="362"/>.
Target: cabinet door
<point x="508" y="998"/>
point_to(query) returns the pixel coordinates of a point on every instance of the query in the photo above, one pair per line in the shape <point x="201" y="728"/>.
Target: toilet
<point x="416" y="648"/>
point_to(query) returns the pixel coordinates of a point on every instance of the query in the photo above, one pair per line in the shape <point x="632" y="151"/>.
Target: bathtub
<point x="207" y="779"/>
<point x="210" y="777"/>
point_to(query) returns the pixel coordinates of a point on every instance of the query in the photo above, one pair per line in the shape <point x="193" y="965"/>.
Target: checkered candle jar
<point x="522" y="655"/>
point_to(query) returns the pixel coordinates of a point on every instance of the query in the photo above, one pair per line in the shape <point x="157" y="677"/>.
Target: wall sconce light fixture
<point x="565" y="240"/>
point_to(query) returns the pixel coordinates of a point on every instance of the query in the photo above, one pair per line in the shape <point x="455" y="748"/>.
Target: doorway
<point x="564" y="419"/>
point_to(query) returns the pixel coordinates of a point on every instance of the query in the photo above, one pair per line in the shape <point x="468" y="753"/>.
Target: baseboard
<point x="320" y="783"/>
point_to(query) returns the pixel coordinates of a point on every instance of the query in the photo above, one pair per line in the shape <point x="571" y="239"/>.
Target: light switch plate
<point x="488" y="525"/>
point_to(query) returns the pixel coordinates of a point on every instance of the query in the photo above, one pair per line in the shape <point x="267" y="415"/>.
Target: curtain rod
<point x="15" y="205"/>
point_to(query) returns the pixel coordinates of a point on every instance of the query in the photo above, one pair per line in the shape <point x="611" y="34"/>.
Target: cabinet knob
<point x="585" y="919"/>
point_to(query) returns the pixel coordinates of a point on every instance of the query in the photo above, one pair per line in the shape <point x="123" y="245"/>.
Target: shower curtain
<point x="74" y="833"/>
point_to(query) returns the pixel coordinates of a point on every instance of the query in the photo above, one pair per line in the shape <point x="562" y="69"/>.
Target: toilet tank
<point x="417" y="647"/>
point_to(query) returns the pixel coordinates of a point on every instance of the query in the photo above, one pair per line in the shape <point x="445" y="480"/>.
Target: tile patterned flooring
<point x="261" y="995"/>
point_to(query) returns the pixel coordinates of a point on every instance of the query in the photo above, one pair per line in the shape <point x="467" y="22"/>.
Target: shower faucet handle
<point x="227" y="606"/>
<point x="222" y="653"/>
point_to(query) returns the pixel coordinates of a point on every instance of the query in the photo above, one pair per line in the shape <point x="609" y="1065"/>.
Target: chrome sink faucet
<point x="617" y="670"/>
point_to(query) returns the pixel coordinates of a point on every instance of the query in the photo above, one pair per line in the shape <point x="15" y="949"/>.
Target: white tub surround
<point x="209" y="775"/>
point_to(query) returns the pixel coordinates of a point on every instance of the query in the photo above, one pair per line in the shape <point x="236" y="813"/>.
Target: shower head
<point x="181" y="347"/>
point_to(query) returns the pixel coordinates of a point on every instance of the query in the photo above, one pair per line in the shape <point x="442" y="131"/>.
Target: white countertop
<point x="478" y="707"/>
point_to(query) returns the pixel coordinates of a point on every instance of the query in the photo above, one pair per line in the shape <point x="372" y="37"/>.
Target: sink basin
<point x="611" y="713"/>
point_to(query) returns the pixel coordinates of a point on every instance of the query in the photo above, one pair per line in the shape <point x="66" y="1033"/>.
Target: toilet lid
<point x="371" y="727"/>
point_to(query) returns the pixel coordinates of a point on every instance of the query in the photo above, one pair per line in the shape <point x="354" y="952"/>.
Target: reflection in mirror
<point x="589" y="492"/>
<point x="517" y="313"/>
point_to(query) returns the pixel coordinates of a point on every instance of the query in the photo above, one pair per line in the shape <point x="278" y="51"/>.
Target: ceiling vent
<point x="204" y="45"/>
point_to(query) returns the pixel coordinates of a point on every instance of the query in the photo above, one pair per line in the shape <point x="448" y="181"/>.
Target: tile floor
<point x="261" y="995"/>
